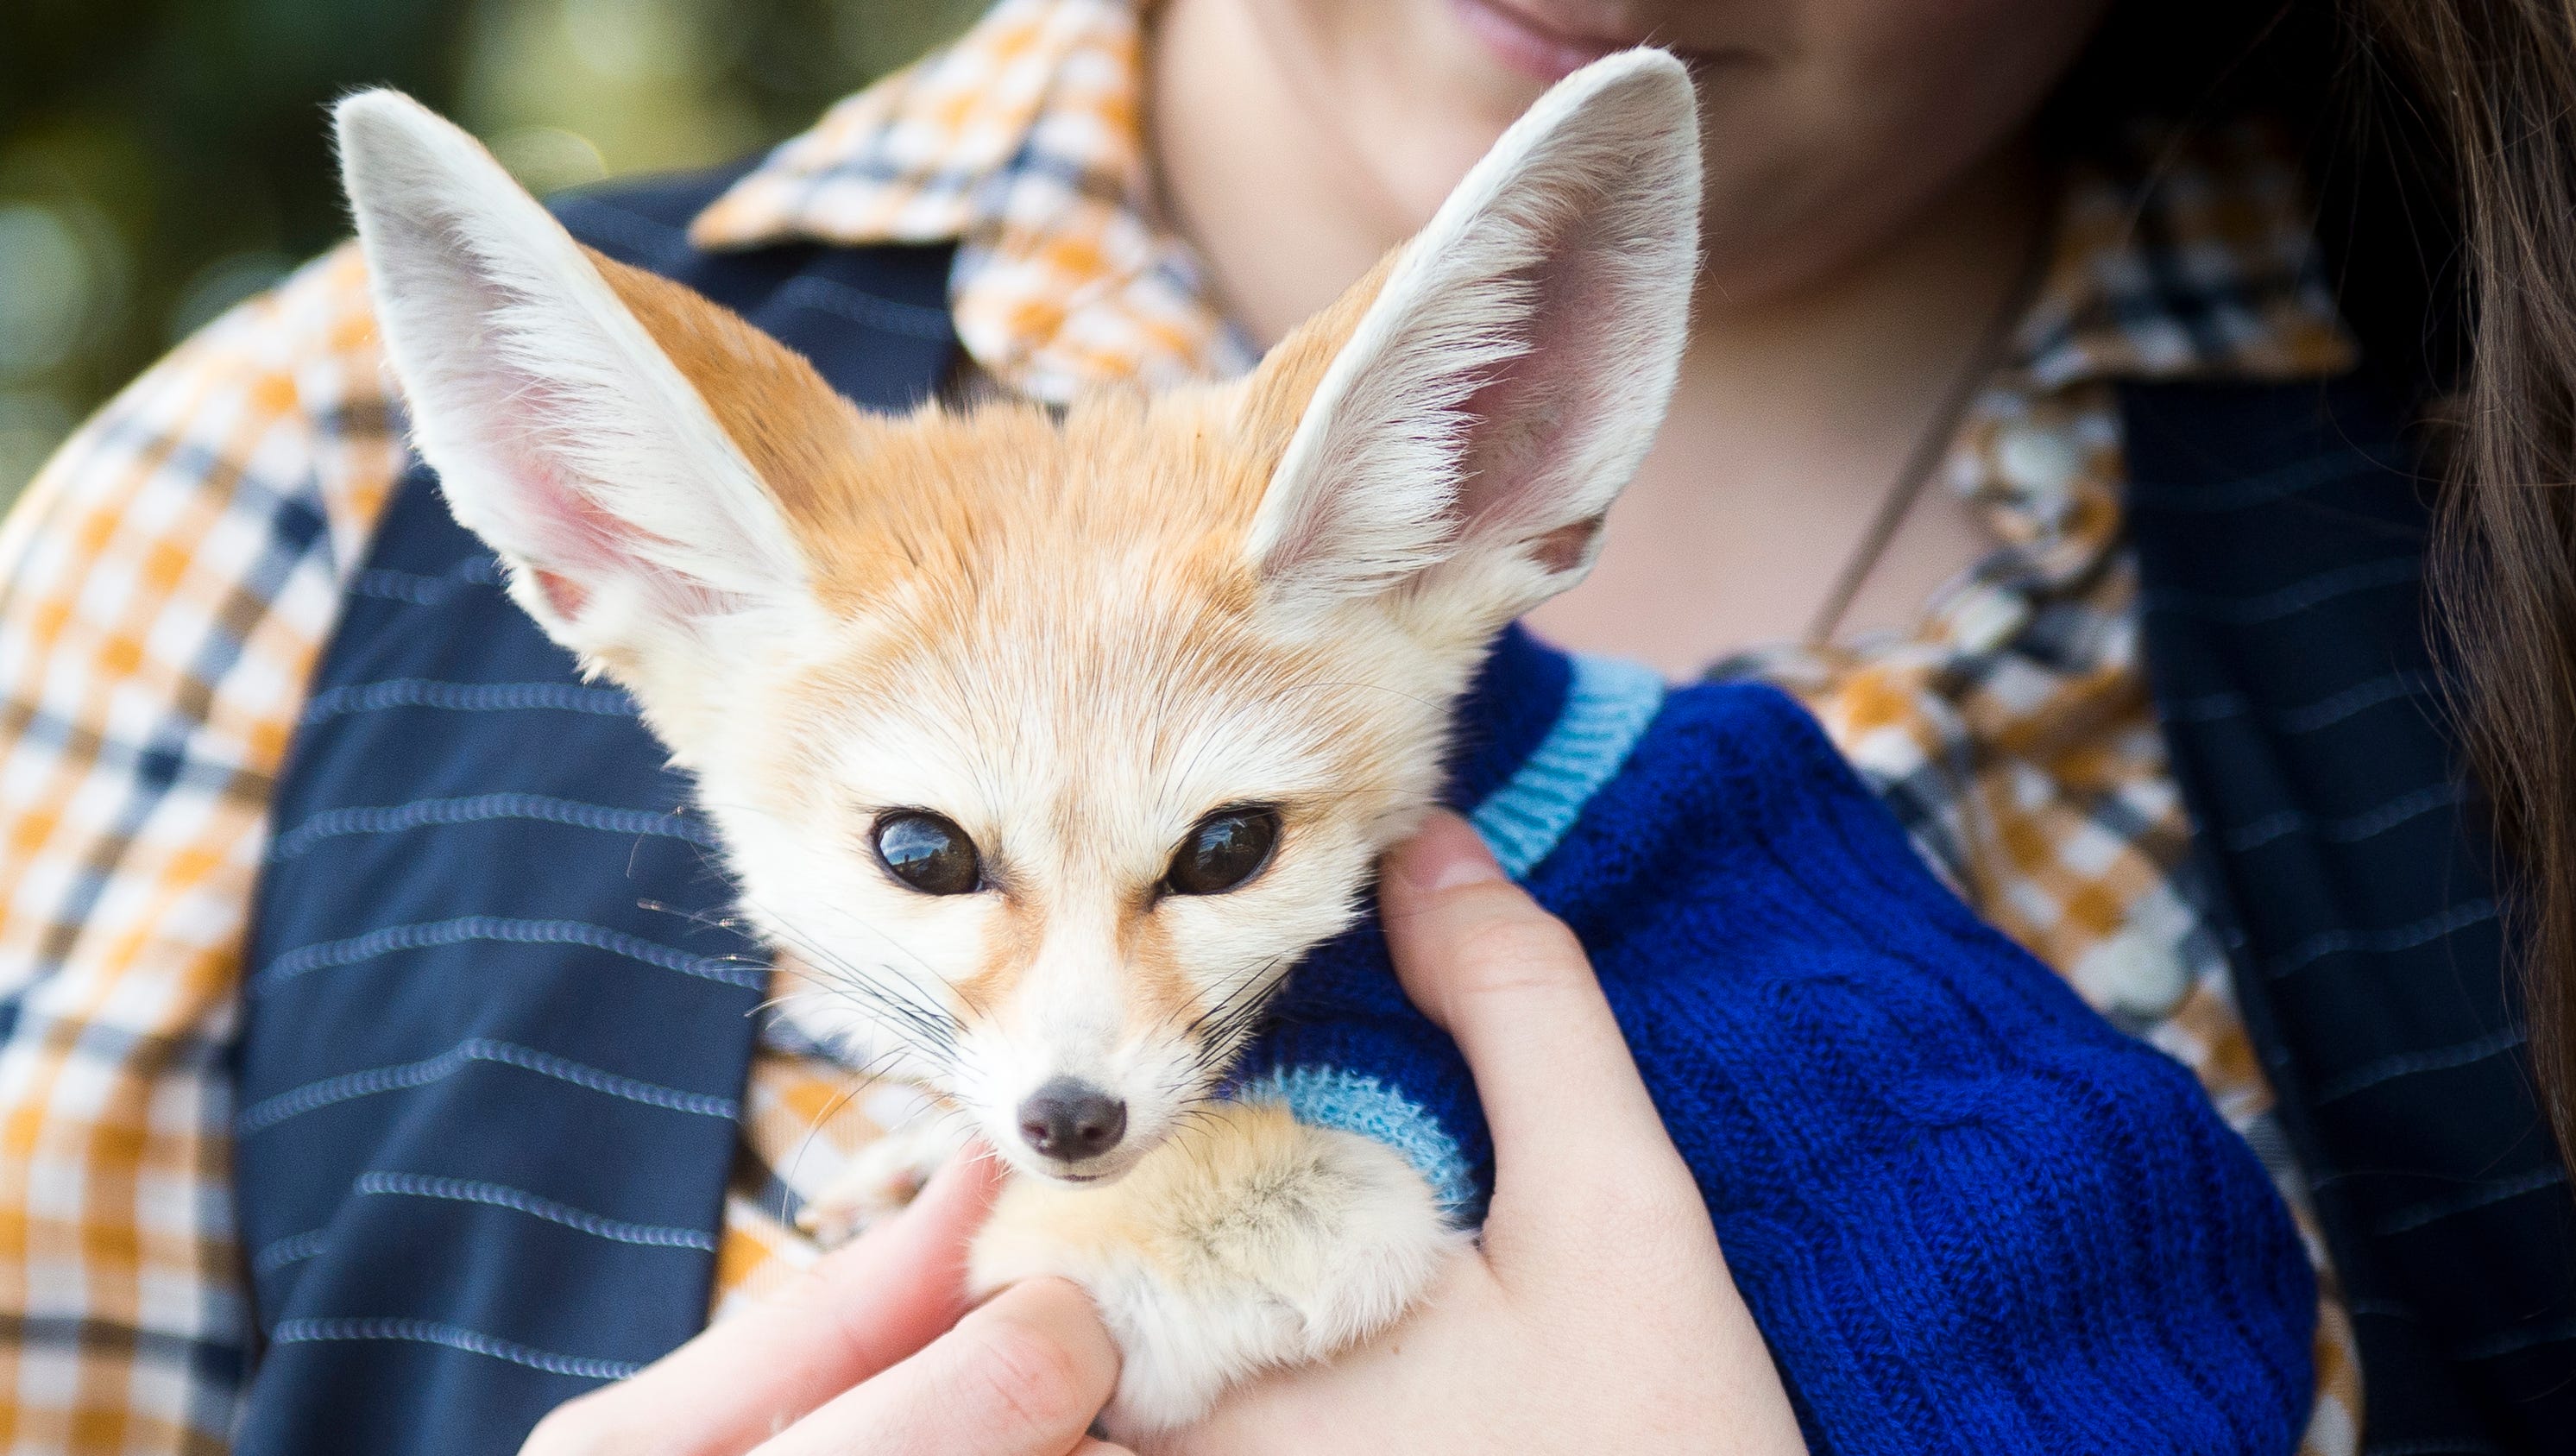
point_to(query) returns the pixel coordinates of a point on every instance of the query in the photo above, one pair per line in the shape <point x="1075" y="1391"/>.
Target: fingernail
<point x="1445" y="853"/>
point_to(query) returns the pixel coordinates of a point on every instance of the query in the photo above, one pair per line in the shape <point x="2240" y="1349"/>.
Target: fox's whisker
<point x="828" y="972"/>
<point x="933" y="1041"/>
<point x="891" y="992"/>
<point x="890" y="942"/>
<point x="1251" y="976"/>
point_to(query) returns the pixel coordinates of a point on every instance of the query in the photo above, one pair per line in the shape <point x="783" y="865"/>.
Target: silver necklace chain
<point x="1933" y="445"/>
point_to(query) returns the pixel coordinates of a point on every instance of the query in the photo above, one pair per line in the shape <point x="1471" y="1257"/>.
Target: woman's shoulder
<point x="280" y="406"/>
<point x="165" y="586"/>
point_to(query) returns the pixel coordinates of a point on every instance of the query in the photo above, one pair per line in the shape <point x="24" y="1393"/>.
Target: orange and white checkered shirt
<point x="171" y="576"/>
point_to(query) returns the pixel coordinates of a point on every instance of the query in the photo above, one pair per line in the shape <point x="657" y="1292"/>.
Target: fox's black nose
<point x="1072" y="1120"/>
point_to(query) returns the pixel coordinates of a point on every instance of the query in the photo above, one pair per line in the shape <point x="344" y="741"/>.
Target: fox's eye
<point x="1227" y="848"/>
<point x="928" y="853"/>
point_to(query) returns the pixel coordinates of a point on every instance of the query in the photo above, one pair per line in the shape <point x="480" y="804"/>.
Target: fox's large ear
<point x="633" y="526"/>
<point x="1510" y="373"/>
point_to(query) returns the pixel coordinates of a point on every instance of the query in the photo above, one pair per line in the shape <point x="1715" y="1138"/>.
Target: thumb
<point x="1574" y="1131"/>
<point x="853" y="1313"/>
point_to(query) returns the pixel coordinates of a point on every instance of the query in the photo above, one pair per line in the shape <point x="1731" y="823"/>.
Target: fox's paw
<point x="1245" y="1242"/>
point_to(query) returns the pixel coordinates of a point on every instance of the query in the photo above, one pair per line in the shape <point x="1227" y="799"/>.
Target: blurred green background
<point x="161" y="160"/>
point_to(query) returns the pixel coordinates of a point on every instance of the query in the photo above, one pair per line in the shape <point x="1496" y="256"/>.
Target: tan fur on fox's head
<point x="1046" y="745"/>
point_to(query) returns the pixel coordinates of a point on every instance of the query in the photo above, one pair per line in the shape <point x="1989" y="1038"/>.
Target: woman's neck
<point x="1282" y="218"/>
<point x="1797" y="407"/>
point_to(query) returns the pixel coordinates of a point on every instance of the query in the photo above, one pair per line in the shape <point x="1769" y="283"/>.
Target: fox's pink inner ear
<point x="562" y="538"/>
<point x="563" y="592"/>
<point x="581" y="544"/>
<point x="1534" y="415"/>
<point x="562" y="430"/>
<point x="1510" y="373"/>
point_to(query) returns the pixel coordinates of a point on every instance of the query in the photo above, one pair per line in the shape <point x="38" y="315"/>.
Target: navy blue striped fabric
<point x="485" y="984"/>
<point x="2281" y="534"/>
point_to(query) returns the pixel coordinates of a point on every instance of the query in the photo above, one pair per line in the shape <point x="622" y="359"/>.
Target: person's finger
<point x="1509" y="982"/>
<point x="1023" y="1375"/>
<point x="857" y="1311"/>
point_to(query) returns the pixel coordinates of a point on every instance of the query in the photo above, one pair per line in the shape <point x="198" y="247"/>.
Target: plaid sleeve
<point x="164" y="588"/>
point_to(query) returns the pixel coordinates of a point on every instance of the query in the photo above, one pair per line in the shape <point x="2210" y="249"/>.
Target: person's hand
<point x="874" y="1350"/>
<point x="1598" y="1314"/>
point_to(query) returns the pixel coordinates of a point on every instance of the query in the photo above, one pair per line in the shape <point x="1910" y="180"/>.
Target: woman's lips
<point x="1531" y="47"/>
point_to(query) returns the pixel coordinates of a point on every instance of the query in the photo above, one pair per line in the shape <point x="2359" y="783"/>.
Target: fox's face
<point x="1044" y="825"/>
<point x="1044" y="744"/>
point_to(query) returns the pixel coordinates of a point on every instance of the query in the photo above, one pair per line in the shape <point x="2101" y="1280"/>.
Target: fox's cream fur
<point x="1072" y="639"/>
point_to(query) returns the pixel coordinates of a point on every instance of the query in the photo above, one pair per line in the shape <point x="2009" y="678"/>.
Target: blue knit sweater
<point x="1967" y="1213"/>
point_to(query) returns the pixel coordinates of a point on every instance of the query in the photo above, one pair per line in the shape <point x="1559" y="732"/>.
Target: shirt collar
<point x="1021" y="143"/>
<point x="2184" y="255"/>
<point x="2176" y="257"/>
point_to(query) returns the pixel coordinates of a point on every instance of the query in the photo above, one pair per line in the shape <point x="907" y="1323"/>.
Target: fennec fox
<point x="1044" y="744"/>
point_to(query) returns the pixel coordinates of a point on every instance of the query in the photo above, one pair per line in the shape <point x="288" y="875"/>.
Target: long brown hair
<point x="2442" y="141"/>
<point x="2494" y="81"/>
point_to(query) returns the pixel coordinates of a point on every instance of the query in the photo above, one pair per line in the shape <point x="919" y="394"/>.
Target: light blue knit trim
<point x="1607" y="708"/>
<point x="1331" y="1097"/>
